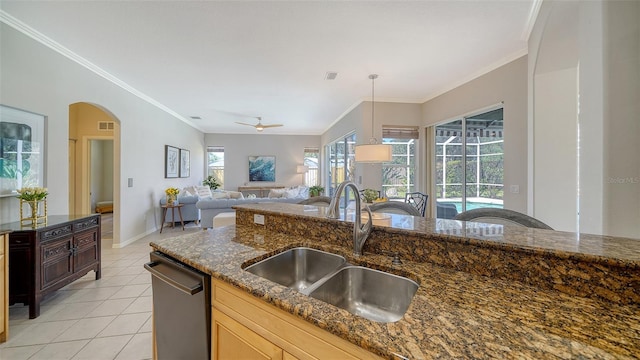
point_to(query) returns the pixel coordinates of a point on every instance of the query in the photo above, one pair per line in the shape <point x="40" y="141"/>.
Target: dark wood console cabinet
<point x="46" y="258"/>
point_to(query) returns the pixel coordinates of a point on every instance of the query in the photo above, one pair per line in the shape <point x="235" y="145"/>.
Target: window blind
<point x="400" y="132"/>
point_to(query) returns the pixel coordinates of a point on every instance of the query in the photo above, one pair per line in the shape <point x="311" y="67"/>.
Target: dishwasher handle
<point x="159" y="272"/>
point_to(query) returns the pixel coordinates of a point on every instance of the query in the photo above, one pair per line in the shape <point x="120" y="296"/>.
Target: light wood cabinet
<point x="4" y="287"/>
<point x="262" y="331"/>
<point x="235" y="341"/>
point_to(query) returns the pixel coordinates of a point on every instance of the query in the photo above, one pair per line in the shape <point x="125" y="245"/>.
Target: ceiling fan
<point x="259" y="126"/>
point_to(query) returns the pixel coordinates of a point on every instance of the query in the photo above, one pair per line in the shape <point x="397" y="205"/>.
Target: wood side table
<point x="173" y="215"/>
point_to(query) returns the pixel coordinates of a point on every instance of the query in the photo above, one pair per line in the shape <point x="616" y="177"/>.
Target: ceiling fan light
<point x="373" y="153"/>
<point x="259" y="128"/>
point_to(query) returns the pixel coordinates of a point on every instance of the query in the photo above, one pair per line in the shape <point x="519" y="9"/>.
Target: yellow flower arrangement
<point x="172" y="191"/>
<point x="32" y="193"/>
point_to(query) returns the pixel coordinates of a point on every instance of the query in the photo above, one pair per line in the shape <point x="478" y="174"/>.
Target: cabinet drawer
<point x="86" y="224"/>
<point x="56" y="233"/>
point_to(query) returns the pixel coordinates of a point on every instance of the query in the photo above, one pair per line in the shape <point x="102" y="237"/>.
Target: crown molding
<point x="57" y="47"/>
<point x="531" y="21"/>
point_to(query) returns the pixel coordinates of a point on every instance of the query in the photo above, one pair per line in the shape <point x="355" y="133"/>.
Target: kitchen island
<point x="485" y="291"/>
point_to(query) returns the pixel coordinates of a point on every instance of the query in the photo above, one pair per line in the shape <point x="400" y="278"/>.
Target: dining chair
<point x="394" y="207"/>
<point x="502" y="217"/>
<point x="418" y="200"/>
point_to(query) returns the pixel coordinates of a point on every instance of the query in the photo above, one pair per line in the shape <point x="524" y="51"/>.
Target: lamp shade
<point x="301" y="169"/>
<point x="373" y="153"/>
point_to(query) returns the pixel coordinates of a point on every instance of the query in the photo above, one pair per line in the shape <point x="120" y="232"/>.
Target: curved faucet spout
<point x="360" y="231"/>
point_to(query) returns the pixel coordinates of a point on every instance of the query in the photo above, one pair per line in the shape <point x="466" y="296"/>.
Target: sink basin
<point x="297" y="268"/>
<point x="373" y="294"/>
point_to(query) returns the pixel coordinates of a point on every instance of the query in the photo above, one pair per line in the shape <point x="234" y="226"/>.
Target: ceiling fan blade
<point x="272" y="125"/>
<point x="241" y="123"/>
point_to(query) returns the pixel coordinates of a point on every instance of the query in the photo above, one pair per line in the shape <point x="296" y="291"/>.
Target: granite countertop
<point x="454" y="314"/>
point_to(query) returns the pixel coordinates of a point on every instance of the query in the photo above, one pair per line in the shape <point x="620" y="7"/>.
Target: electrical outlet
<point x="514" y="189"/>
<point x="258" y="219"/>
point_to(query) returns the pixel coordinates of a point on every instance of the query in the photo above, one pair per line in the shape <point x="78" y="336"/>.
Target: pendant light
<point x="373" y="152"/>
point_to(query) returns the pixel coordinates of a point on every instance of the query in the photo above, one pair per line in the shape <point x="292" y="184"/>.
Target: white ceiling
<point x="233" y="60"/>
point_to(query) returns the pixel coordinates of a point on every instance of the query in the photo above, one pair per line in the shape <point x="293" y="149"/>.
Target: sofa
<point x="209" y="208"/>
<point x="223" y="201"/>
<point x="189" y="210"/>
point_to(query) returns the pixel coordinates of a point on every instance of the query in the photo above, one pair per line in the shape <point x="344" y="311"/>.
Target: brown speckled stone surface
<point x="454" y="314"/>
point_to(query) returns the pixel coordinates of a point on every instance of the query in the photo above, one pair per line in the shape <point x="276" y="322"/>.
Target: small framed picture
<point x="171" y="161"/>
<point x="185" y="168"/>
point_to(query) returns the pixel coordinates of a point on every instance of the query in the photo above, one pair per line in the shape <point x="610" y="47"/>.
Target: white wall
<point x="621" y="30"/>
<point x="556" y="149"/>
<point x="288" y="150"/>
<point x="602" y="41"/>
<point x="35" y="78"/>
<point x="507" y="84"/>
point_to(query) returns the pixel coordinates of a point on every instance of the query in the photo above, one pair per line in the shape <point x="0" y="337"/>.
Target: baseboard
<point x="133" y="239"/>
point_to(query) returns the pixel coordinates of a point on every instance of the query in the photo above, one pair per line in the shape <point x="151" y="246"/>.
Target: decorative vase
<point x="172" y="200"/>
<point x="35" y="212"/>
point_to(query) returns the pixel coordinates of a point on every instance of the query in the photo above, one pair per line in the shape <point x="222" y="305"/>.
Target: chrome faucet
<point x="360" y="231"/>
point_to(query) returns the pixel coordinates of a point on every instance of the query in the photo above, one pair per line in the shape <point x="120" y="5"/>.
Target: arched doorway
<point x="94" y="165"/>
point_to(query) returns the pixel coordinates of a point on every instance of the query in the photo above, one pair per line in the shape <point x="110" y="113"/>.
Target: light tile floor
<point x="88" y="319"/>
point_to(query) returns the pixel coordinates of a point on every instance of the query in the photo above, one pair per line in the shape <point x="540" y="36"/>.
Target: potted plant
<point x="369" y="195"/>
<point x="172" y="195"/>
<point x="316" y="190"/>
<point x="211" y="182"/>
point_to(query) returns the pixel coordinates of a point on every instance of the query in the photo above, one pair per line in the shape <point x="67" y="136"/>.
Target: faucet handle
<point x="395" y="255"/>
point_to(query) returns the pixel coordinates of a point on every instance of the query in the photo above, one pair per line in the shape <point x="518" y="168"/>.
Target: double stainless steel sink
<point x="372" y="294"/>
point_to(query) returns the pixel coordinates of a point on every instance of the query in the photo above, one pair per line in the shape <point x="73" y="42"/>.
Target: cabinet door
<point x="57" y="262"/>
<point x="232" y="341"/>
<point x="86" y="249"/>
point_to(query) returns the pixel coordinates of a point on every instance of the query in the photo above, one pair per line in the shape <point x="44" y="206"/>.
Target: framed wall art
<point x="171" y="161"/>
<point x="185" y="166"/>
<point x="22" y="150"/>
<point x="262" y="168"/>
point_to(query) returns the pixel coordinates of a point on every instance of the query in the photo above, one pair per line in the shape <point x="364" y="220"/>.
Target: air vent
<point x="196" y="117"/>
<point x="331" y="75"/>
<point x="105" y="125"/>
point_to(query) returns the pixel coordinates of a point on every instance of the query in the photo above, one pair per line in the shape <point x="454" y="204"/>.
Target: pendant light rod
<point x="373" y="152"/>
<point x="373" y="77"/>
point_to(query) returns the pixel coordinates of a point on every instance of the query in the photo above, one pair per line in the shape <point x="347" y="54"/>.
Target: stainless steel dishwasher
<point x="181" y="309"/>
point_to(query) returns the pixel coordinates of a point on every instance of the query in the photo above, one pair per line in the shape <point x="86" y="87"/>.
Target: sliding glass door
<point x="469" y="163"/>
<point x="341" y="164"/>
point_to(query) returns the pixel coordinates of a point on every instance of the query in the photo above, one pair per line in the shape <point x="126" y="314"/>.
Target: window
<point x="398" y="176"/>
<point x="215" y="161"/>
<point x="469" y="163"/>
<point x="340" y="161"/>
<point x="311" y="160"/>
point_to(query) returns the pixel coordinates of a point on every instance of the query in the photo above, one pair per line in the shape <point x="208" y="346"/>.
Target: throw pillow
<point x="303" y="192"/>
<point x="203" y="191"/>
<point x="220" y="195"/>
<point x="235" y="195"/>
<point x="276" y="193"/>
<point x="190" y="191"/>
<point x="291" y="193"/>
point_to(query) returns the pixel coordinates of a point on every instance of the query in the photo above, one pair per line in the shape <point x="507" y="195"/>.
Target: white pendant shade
<point x="373" y="153"/>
